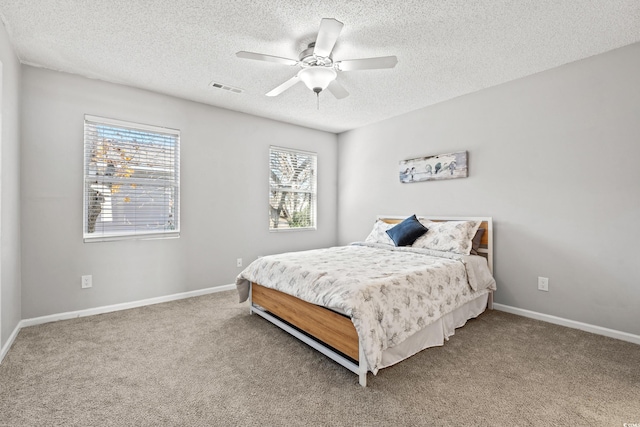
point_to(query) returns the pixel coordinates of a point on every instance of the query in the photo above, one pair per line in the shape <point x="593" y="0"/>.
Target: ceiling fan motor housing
<point x="309" y="59"/>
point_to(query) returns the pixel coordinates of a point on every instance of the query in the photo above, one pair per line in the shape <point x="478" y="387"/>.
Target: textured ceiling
<point x="445" y="48"/>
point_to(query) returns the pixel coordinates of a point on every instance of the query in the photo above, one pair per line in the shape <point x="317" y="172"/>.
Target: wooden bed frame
<point x="331" y="333"/>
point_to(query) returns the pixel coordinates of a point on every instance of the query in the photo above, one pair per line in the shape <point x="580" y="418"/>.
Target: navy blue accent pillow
<point x="405" y="233"/>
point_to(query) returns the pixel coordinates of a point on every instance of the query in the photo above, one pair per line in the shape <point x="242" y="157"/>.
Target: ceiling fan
<point x="319" y="70"/>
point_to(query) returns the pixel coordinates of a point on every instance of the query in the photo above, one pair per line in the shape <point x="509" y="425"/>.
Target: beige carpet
<point x="205" y="362"/>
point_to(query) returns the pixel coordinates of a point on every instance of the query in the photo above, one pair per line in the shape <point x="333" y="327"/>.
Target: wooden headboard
<point x="486" y="244"/>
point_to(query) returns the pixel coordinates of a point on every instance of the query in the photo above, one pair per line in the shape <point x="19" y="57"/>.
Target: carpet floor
<point x="205" y="361"/>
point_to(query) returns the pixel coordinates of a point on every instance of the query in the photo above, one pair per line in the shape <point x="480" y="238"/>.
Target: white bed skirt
<point x="436" y="333"/>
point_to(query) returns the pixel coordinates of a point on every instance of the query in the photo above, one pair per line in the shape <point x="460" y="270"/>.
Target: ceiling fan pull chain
<point x="318" y="101"/>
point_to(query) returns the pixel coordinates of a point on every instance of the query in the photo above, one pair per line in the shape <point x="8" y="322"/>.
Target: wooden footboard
<point x="325" y="325"/>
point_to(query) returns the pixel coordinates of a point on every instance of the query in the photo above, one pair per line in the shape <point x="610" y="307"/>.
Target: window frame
<point x="314" y="193"/>
<point x="136" y="234"/>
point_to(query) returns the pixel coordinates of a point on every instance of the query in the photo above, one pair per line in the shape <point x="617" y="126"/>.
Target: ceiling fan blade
<point x="367" y="63"/>
<point x="284" y="86"/>
<point x="337" y="90"/>
<point x="327" y="35"/>
<point x="268" y="58"/>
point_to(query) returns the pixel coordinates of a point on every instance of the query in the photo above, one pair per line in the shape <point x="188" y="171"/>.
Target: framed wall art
<point x="442" y="166"/>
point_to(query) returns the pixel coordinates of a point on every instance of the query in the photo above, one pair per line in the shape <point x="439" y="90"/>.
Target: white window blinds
<point x="292" y="189"/>
<point x="131" y="180"/>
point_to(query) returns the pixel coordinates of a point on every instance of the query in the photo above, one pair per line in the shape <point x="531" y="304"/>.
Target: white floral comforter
<point x="390" y="293"/>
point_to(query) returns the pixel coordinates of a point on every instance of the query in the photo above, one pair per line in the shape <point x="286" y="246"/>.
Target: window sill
<point x="146" y="236"/>
<point x="286" y="230"/>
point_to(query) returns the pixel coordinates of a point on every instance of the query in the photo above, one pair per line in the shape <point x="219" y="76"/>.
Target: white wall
<point x="10" y="313"/>
<point x="553" y="158"/>
<point x="224" y="199"/>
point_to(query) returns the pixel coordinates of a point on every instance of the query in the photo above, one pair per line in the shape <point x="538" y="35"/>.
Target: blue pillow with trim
<point x="406" y="232"/>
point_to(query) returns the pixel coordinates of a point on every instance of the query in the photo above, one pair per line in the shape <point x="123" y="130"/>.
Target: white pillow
<point x="449" y="236"/>
<point x="379" y="233"/>
<point x="425" y="222"/>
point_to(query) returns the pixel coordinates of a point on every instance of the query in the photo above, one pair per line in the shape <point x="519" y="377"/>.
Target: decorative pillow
<point x="379" y="235"/>
<point x="406" y="232"/>
<point x="475" y="242"/>
<point x="450" y="236"/>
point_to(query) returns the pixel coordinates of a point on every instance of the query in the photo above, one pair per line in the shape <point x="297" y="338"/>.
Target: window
<point x="292" y="189"/>
<point x="131" y="180"/>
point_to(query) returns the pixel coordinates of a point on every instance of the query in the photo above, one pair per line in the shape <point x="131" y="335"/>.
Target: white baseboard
<point x="107" y="309"/>
<point x="5" y="348"/>
<point x="599" y="330"/>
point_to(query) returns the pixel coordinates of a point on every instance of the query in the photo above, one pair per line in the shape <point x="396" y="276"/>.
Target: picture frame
<point x="430" y="168"/>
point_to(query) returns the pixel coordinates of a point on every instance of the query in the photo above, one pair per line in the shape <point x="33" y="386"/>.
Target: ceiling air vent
<point x="223" y="86"/>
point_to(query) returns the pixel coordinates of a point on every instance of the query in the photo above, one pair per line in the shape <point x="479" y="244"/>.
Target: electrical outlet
<point x="239" y="262"/>
<point x="87" y="281"/>
<point x="543" y="284"/>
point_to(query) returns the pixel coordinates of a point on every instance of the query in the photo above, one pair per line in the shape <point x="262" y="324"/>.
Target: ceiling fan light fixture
<point x="317" y="78"/>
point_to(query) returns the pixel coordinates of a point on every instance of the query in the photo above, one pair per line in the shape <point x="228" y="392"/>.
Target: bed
<point x="371" y="304"/>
